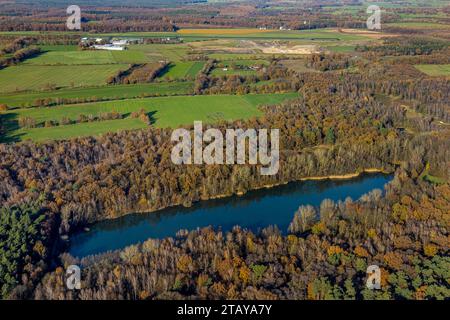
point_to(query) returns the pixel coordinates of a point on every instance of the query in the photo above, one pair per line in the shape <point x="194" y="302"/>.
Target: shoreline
<point x="268" y="186"/>
<point x="311" y="178"/>
<point x="344" y="176"/>
<point x="319" y="178"/>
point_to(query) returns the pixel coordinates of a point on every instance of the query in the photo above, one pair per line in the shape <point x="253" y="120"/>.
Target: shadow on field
<point x="151" y="116"/>
<point x="8" y="124"/>
<point x="165" y="70"/>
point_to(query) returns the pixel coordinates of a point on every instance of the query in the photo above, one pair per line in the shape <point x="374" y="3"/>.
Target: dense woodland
<point x="150" y="15"/>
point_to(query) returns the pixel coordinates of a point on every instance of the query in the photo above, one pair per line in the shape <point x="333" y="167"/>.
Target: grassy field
<point x="27" y="77"/>
<point x="79" y="130"/>
<point x="105" y="92"/>
<point x="129" y="56"/>
<point x="164" y="111"/>
<point x="72" y="58"/>
<point x="181" y="70"/>
<point x="195" y="68"/>
<point x="45" y="48"/>
<point x="157" y="52"/>
<point x="435" y="69"/>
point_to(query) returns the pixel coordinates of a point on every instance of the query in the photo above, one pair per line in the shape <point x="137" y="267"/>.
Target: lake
<point x="255" y="210"/>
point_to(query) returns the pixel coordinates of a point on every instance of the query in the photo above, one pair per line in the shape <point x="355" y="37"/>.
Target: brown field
<point x="297" y="65"/>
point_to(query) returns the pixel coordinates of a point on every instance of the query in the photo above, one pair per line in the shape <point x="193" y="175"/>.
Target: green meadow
<point x="45" y="48"/>
<point x="182" y="70"/>
<point x="29" y="77"/>
<point x="102" y="93"/>
<point x="164" y="111"/>
<point x="79" y="130"/>
<point x="158" y="52"/>
<point x="66" y="72"/>
<point x="435" y="69"/>
<point x="72" y="58"/>
<point x="84" y="57"/>
<point x="129" y="56"/>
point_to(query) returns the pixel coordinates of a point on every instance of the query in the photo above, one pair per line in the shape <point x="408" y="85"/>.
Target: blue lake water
<point x="255" y="210"/>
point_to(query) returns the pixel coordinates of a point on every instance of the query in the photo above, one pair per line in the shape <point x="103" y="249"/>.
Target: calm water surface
<point x="255" y="210"/>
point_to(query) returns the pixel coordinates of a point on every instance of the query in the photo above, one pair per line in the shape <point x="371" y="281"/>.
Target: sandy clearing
<point x="277" y="48"/>
<point x="366" y="33"/>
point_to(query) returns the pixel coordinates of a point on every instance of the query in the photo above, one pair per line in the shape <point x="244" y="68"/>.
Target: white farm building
<point x="120" y="42"/>
<point x="109" y="47"/>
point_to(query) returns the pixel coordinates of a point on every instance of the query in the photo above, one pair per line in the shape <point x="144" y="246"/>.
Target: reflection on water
<point x="255" y="210"/>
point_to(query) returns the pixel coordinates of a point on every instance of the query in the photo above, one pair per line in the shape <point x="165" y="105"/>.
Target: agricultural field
<point x="65" y="66"/>
<point x="72" y="58"/>
<point x="27" y="77"/>
<point x="129" y="56"/>
<point x="164" y="112"/>
<point x="297" y="65"/>
<point x="87" y="57"/>
<point x="435" y="69"/>
<point x="341" y="49"/>
<point x="183" y="70"/>
<point x="46" y="48"/>
<point x="102" y="93"/>
<point x="78" y="130"/>
<point x="158" y="52"/>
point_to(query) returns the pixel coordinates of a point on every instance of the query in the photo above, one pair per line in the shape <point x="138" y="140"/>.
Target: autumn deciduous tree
<point x="303" y="219"/>
<point x="185" y="264"/>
